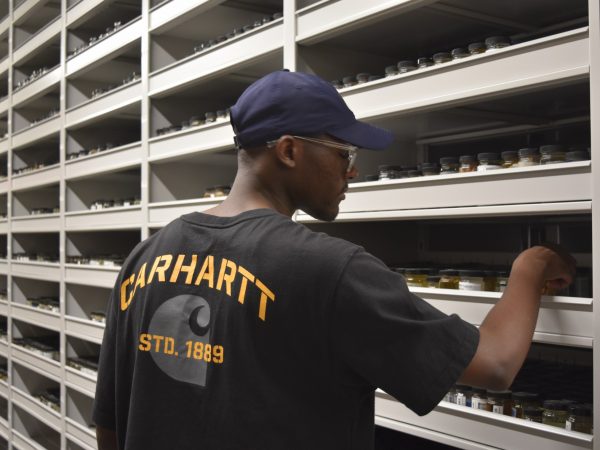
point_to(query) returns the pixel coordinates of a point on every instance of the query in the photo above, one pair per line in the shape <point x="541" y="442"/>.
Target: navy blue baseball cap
<point x="298" y="103"/>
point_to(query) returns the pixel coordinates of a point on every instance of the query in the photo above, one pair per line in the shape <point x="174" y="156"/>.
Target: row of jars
<point x="408" y="65"/>
<point x="464" y="279"/>
<point x="486" y="161"/>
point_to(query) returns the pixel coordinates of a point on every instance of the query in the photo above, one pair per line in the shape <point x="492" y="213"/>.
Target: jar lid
<point x="577" y="155"/>
<point x="391" y="70"/>
<point x="496" y="40"/>
<point x="363" y="76"/>
<point x="424" y="60"/>
<point x="528" y="151"/>
<point x="442" y="56"/>
<point x="449" y="160"/>
<point x="489" y="273"/>
<point x="581" y="410"/>
<point x="472" y="273"/>
<point x="552" y="148"/>
<point x="429" y="165"/>
<point x="558" y="405"/>
<point x="348" y="79"/>
<point x="490" y="156"/>
<point x="406" y="64"/>
<point x="478" y="390"/>
<point x="525" y="396"/>
<point x="449" y="272"/>
<point x="385" y="168"/>
<point x="416" y="271"/>
<point x="372" y="177"/>
<point x="477" y="46"/>
<point x="533" y="411"/>
<point x="509" y="154"/>
<point x="459" y="52"/>
<point x="500" y="394"/>
<point x="464" y="159"/>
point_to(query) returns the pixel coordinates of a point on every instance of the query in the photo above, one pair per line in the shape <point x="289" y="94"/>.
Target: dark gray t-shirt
<point x="253" y="332"/>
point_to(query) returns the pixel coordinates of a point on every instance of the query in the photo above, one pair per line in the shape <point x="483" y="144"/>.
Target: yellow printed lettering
<point x="125" y="300"/>
<point x="179" y="267"/>
<point x="158" y="339"/>
<point x="265" y="293"/>
<point x="169" y="346"/>
<point x="160" y="270"/>
<point x="145" y="342"/>
<point x="246" y="276"/>
<point x="207" y="272"/>
<point x="227" y="277"/>
<point x="141" y="279"/>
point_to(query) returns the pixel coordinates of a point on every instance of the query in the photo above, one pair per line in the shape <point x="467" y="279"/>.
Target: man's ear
<point x="287" y="150"/>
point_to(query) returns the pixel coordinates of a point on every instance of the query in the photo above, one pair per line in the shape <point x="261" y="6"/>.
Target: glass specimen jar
<point x="449" y="164"/>
<point x="387" y="172"/>
<point x="528" y="156"/>
<point x="468" y="163"/>
<point x="433" y="281"/>
<point x="510" y="158"/>
<point x="479" y="399"/>
<point x="416" y="277"/>
<point x="552" y="154"/>
<point x="555" y="413"/>
<point x="580" y="419"/>
<point x="406" y="66"/>
<point x="463" y="395"/>
<point x="497" y="42"/>
<point x="501" y="402"/>
<point x="430" y="169"/>
<point x="522" y="400"/>
<point x="442" y="57"/>
<point x="577" y="155"/>
<point x="533" y="414"/>
<point x="424" y="62"/>
<point x="391" y="71"/>
<point x="477" y="47"/>
<point x="449" y="279"/>
<point x="459" y="53"/>
<point x="363" y="78"/>
<point x="489" y="280"/>
<point x="349" y="81"/>
<point x="471" y="280"/>
<point x="501" y="280"/>
<point x="488" y="161"/>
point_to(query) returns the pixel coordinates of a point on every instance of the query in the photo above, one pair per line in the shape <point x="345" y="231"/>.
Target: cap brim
<point x="364" y="135"/>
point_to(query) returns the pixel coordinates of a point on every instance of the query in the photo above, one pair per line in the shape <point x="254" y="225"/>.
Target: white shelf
<point x="109" y="160"/>
<point x="40" y="177"/>
<point x="4" y="428"/>
<point x="40" y="364"/>
<point x="110" y="46"/>
<point x="35" y="316"/>
<point x="87" y="330"/>
<point x="552" y="60"/>
<point x="3" y="348"/>
<point x="50" y="31"/>
<point x="4" y="144"/>
<point x="4" y="24"/>
<point x="86" y="384"/>
<point x="159" y="214"/>
<point x="325" y="19"/>
<point x="110" y="102"/>
<point x="124" y="217"/>
<point x="36" y="132"/>
<point x="227" y="56"/>
<point x="81" y="10"/>
<point x="3" y="226"/>
<point x="37" y="270"/>
<point x="80" y="433"/>
<point x="4" y="186"/>
<point x="3" y="308"/>
<point x="21" y="442"/>
<point x="36" y="409"/>
<point x="4" y="389"/>
<point x="562" y="320"/>
<point x="38" y="87"/>
<point x="5" y="102"/>
<point x="90" y="275"/>
<point x="79" y="443"/>
<point x="174" y="11"/>
<point x="467" y="428"/>
<point x="212" y="137"/>
<point x="25" y="8"/>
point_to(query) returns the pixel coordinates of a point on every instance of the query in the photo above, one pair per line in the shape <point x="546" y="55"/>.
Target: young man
<point x="238" y="328"/>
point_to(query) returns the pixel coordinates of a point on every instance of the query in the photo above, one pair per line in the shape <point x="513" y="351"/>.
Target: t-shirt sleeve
<point x="394" y="340"/>
<point x="104" y="402"/>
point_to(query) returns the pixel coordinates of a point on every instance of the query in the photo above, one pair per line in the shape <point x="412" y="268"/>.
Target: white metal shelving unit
<point x="110" y="139"/>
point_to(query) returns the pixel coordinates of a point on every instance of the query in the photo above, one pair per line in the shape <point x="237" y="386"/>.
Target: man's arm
<point x="507" y="331"/>
<point x="107" y="439"/>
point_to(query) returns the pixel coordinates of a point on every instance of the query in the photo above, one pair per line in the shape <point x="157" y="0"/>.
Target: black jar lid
<point x="525" y="396"/>
<point x="577" y="155"/>
<point x="553" y="148"/>
<point x="509" y="154"/>
<point x="449" y="272"/>
<point x="386" y="168"/>
<point x="494" y="41"/>
<point x="533" y="411"/>
<point x="459" y="52"/>
<point x="372" y="177"/>
<point x="449" y="160"/>
<point x="416" y="271"/>
<point x="466" y="159"/>
<point x="391" y="70"/>
<point x="471" y="273"/>
<point x="499" y="394"/>
<point x="489" y="156"/>
<point x="424" y="61"/>
<point x="489" y="273"/>
<point x="558" y="405"/>
<point x="477" y="47"/>
<point x="429" y="165"/>
<point x="528" y="151"/>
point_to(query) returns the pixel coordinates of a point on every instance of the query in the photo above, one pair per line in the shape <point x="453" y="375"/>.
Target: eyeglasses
<point x="350" y="151"/>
